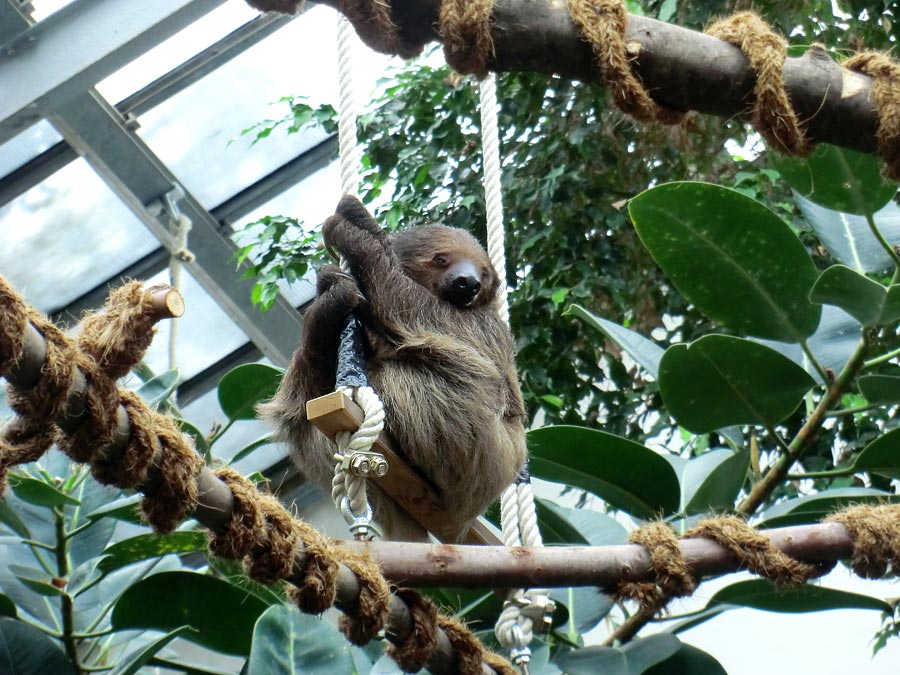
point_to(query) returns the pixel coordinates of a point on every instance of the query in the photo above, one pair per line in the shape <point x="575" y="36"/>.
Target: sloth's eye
<point x="441" y="260"/>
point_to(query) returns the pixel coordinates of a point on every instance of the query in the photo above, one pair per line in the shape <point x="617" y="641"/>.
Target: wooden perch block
<point x="336" y="412"/>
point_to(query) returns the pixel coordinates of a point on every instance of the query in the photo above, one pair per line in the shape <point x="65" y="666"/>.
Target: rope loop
<point x="886" y="94"/>
<point x="602" y="24"/>
<point x="772" y="116"/>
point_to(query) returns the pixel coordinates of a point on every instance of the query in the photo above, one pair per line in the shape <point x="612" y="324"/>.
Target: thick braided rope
<point x="514" y="628"/>
<point x="602" y="24"/>
<point x="348" y="148"/>
<point x="886" y="94"/>
<point x="260" y="532"/>
<point x="465" y="30"/>
<point x="347" y="484"/>
<point x="772" y="116"/>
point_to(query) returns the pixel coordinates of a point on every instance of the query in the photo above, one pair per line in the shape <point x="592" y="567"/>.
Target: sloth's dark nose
<point x="464" y="289"/>
<point x="467" y="285"/>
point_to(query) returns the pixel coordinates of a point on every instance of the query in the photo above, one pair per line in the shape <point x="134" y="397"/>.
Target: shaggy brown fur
<point x="440" y="357"/>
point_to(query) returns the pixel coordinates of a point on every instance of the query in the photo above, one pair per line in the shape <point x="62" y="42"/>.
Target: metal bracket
<point x="539" y="610"/>
<point x="361" y="527"/>
<point x="365" y="464"/>
<point x="168" y="204"/>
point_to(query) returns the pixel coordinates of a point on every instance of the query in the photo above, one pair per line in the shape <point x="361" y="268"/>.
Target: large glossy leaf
<point x="627" y="475"/>
<point x="583" y="526"/>
<point x="813" y="508"/>
<point x="688" y="661"/>
<point x="286" y="642"/>
<point x="711" y="481"/>
<point x="838" y="179"/>
<point x="731" y="256"/>
<point x="859" y="296"/>
<point x="644" y="351"/>
<point x="721" y="380"/>
<point x="39" y="493"/>
<point x="243" y="387"/>
<point x="126" y="509"/>
<point x="633" y="659"/>
<point x="832" y="344"/>
<point x="763" y="594"/>
<point x="865" y="300"/>
<point x="221" y="615"/>
<point x="587" y="607"/>
<point x="136" y="660"/>
<point x="881" y="456"/>
<point x="146" y="546"/>
<point x="157" y="390"/>
<point x="879" y="388"/>
<point x="35" y="579"/>
<point x="24" y="650"/>
<point x="849" y="239"/>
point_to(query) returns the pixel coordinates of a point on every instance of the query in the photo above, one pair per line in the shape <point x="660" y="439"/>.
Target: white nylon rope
<point x="180" y="255"/>
<point x="348" y="487"/>
<point x="515" y="625"/>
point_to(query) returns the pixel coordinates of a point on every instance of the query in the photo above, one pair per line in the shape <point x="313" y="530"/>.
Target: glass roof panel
<point x="176" y="50"/>
<point x="27" y="145"/>
<point x="68" y="235"/>
<point x="44" y="8"/>
<point x="204" y="334"/>
<point x="197" y="131"/>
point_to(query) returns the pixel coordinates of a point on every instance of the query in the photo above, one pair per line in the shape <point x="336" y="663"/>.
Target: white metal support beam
<point x="46" y="64"/>
<point x="98" y="132"/>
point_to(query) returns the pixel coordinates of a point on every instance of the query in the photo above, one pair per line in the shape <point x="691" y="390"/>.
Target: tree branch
<point x="681" y="68"/>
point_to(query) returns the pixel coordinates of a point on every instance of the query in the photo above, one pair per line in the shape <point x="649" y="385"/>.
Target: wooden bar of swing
<point x="336" y="412"/>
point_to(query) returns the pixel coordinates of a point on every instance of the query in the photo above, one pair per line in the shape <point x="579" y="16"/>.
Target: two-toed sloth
<point x="438" y="353"/>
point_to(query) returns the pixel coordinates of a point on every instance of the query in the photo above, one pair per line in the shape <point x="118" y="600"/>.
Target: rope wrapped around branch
<point x="162" y="462"/>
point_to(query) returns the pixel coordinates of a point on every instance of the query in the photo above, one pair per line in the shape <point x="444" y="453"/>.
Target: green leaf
<point x="248" y="450"/>
<point x="832" y="344"/>
<point x="286" y="642"/>
<point x="154" y="545"/>
<point x="24" y="650"/>
<point x="721" y="380"/>
<point x="577" y="526"/>
<point x="711" y="481"/>
<point x="867" y="301"/>
<point x="7" y="607"/>
<point x="36" y="580"/>
<point x="849" y="238"/>
<point x="813" y="508"/>
<point x="645" y="352"/>
<point x="859" y="296"/>
<point x="763" y="594"/>
<point x="627" y="475"/>
<point x="881" y="456"/>
<point x="879" y="388"/>
<point x="688" y="661"/>
<point x="221" y="615"/>
<point x="11" y="519"/>
<point x="587" y="607"/>
<point x="157" y="390"/>
<point x="126" y="509"/>
<point x="737" y="261"/>
<point x="837" y="178"/>
<point x="139" y="658"/>
<point x="634" y="658"/>
<point x="243" y="387"/>
<point x="39" y="493"/>
<point x="200" y="442"/>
